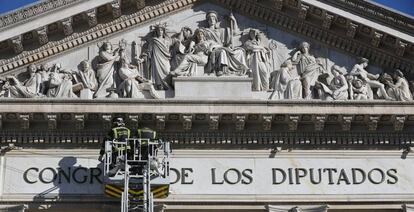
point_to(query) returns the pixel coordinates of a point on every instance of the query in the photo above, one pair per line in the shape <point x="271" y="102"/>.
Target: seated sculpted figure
<point x="60" y="84"/>
<point x="130" y="87"/>
<point x="201" y="49"/>
<point x="338" y="87"/>
<point x="400" y="90"/>
<point x="370" y="79"/>
<point x="86" y="76"/>
<point x="258" y="61"/>
<point x="224" y="59"/>
<point x="286" y="82"/>
<point x="309" y="69"/>
<point x="30" y="88"/>
<point x="182" y="45"/>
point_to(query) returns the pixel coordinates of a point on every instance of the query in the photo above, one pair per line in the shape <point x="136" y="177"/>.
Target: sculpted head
<point x="199" y="35"/>
<point x="304" y="47"/>
<point x="287" y="64"/>
<point x="31" y="69"/>
<point x="357" y="83"/>
<point x="398" y="74"/>
<point x="84" y="66"/>
<point x="254" y="34"/>
<point x="45" y="67"/>
<point x="363" y="61"/>
<point x="159" y="29"/>
<point x="187" y="32"/>
<point x="107" y="46"/>
<point x="212" y="18"/>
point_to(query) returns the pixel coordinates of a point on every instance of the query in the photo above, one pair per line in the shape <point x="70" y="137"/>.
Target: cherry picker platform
<point x="137" y="171"/>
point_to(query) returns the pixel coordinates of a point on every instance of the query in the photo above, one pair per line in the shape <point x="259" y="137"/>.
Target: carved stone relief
<point x="145" y="64"/>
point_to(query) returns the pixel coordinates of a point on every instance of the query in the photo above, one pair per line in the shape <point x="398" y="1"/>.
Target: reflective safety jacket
<point x="120" y="133"/>
<point x="146" y="133"/>
<point x="117" y="133"/>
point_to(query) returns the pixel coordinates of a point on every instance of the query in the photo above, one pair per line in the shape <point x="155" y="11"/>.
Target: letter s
<point x="248" y="176"/>
<point x="392" y="174"/>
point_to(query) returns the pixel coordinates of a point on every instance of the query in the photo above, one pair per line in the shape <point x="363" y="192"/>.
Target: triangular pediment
<point x="337" y="36"/>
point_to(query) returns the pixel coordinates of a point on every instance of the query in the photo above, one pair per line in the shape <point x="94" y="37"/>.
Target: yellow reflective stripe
<point x="159" y="189"/>
<point x="113" y="188"/>
<point x="114" y="130"/>
<point x="161" y="194"/>
<point x="113" y="194"/>
<point x="135" y="192"/>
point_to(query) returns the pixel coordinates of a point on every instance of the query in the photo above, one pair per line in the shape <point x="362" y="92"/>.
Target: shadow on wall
<point x="70" y="181"/>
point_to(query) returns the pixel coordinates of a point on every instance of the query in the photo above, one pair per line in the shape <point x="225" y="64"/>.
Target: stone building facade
<point x="270" y="105"/>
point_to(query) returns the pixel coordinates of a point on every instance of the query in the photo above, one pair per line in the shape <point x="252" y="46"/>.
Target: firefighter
<point x="148" y="151"/>
<point x="146" y="133"/>
<point x="119" y="133"/>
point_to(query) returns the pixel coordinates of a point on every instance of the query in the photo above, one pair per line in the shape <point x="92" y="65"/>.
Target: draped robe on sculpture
<point x="234" y="59"/>
<point x="257" y="60"/>
<point x="159" y="62"/>
<point x="105" y="74"/>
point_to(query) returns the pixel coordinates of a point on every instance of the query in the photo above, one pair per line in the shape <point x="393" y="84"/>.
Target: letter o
<point x="372" y="180"/>
<point x="226" y="178"/>
<point x="41" y="175"/>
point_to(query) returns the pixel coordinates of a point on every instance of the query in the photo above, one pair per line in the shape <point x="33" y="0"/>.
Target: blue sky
<point x="405" y="6"/>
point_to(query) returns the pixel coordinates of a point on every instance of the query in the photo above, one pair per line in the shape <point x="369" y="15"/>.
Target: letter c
<point x="26" y="173"/>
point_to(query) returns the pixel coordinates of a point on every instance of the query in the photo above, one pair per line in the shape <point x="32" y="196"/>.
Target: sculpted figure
<point x="399" y="90"/>
<point x="157" y="57"/>
<point x="370" y="79"/>
<point x="60" y="84"/>
<point x="44" y="72"/>
<point x="182" y="45"/>
<point x="3" y="85"/>
<point x="286" y="82"/>
<point x="258" y="61"/>
<point x="106" y="70"/>
<point x="224" y="59"/>
<point x="86" y="76"/>
<point x="30" y="88"/>
<point x="338" y="87"/>
<point x="130" y="87"/>
<point x="199" y="56"/>
<point x="309" y="69"/>
<point x="360" y="90"/>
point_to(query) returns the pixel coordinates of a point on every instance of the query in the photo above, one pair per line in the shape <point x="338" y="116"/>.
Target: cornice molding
<point x="377" y="13"/>
<point x="32" y="11"/>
